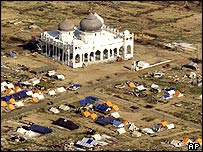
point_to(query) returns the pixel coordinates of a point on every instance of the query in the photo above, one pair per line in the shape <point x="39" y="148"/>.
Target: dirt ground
<point x="158" y="22"/>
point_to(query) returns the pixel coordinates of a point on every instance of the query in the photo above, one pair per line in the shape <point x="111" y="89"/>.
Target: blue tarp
<point x="11" y="54"/>
<point x="5" y="98"/>
<point x="167" y="95"/>
<point x="82" y="102"/>
<point x="40" y="129"/>
<point x="93" y="98"/>
<point x="101" y="107"/>
<point x="16" y="96"/>
<point x="116" y="123"/>
<point x="89" y="141"/>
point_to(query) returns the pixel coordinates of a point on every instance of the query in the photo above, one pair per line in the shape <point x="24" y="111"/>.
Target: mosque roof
<point x="66" y="25"/>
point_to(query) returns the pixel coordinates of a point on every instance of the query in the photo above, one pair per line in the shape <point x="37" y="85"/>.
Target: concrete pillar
<point x="101" y="55"/>
<point x="63" y="56"/>
<point x="108" y="54"/>
<point x="46" y="48"/>
<point x="88" y="57"/>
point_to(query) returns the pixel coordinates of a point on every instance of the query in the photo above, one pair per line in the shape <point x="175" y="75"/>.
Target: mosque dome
<point x="66" y="25"/>
<point x="90" y="23"/>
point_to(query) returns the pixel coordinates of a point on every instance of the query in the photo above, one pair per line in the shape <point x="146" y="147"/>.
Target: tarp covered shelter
<point x="186" y="140"/>
<point x="40" y="129"/>
<point x="66" y="124"/>
<point x="12" y="101"/>
<point x="19" y="95"/>
<point x="109" y="103"/>
<point x="117" y="123"/>
<point x="101" y="120"/>
<point x="121" y="130"/>
<point x="198" y="140"/>
<point x="11" y="107"/>
<point x="3" y="104"/>
<point x="164" y="123"/>
<point x="115" y="107"/>
<point x="35" y="99"/>
<point x="9" y="91"/>
<point x="93" y="116"/>
<point x="102" y="108"/>
<point x="17" y="89"/>
<point x="86" y="113"/>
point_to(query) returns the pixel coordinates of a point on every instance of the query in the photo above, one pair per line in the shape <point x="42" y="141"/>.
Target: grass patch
<point x="195" y="91"/>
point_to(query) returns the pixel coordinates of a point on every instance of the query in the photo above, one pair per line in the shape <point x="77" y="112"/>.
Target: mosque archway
<point x="128" y="49"/>
<point x="105" y="54"/>
<point x="77" y="58"/>
<point x="97" y="55"/>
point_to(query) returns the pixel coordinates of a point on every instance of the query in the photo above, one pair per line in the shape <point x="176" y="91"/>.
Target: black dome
<point x="90" y="23"/>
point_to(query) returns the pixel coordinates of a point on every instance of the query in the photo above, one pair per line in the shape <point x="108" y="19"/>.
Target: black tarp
<point x="66" y="124"/>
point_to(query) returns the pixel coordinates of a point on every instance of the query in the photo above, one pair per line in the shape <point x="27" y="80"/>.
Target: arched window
<point x="121" y="50"/>
<point x="115" y="52"/>
<point x="97" y="55"/>
<point x="128" y="49"/>
<point x="86" y="57"/>
<point x="77" y="58"/>
<point x="105" y="54"/>
<point x="92" y="56"/>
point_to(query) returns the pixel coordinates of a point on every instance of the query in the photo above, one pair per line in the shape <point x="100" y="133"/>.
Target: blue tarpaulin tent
<point x="82" y="102"/>
<point x="40" y="129"/>
<point x="167" y="95"/>
<point x="105" y="120"/>
<point x="5" y="98"/>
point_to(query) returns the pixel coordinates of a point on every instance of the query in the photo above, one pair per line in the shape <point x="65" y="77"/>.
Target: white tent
<point x="31" y="134"/>
<point x="170" y="126"/>
<point x="21" y="131"/>
<point x="29" y="93"/>
<point x="133" y="127"/>
<point x="60" y="77"/>
<point x="52" y="93"/>
<point x="64" y="107"/>
<point x="156" y="87"/>
<point x="148" y="130"/>
<point x="121" y="130"/>
<point x="61" y="89"/>
<point x="51" y="73"/>
<point x="19" y="104"/>
<point x="3" y="88"/>
<point x="10" y="85"/>
<point x="40" y="97"/>
<point x="97" y="136"/>
<point x="54" y="110"/>
<point x="171" y="92"/>
<point x="35" y="95"/>
<point x="115" y="115"/>
<point x="136" y="133"/>
<point x="141" y="87"/>
<point x="177" y="143"/>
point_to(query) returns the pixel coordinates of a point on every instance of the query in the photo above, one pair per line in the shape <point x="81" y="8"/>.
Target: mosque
<point x="90" y="42"/>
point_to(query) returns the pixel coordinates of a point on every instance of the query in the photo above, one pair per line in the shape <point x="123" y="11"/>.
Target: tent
<point x="178" y="94"/>
<point x="11" y="107"/>
<point x="19" y="95"/>
<point x="121" y="130"/>
<point x="61" y="89"/>
<point x="156" y="128"/>
<point x="10" y="85"/>
<point x="19" y="104"/>
<point x="35" y="99"/>
<point x="64" y="107"/>
<point x="5" y="98"/>
<point x="186" y="140"/>
<point x="9" y="91"/>
<point x="171" y="92"/>
<point x="52" y="93"/>
<point x="167" y="96"/>
<point x="199" y="140"/>
<point x="17" y="89"/>
<point x="136" y="133"/>
<point x="164" y="123"/>
<point x="66" y="124"/>
<point x="60" y="77"/>
<point x="131" y="85"/>
<point x="3" y="104"/>
<point x="115" y="115"/>
<point x="29" y="93"/>
<point x="40" y="129"/>
<point x="125" y="122"/>
<point x="132" y="127"/>
<point x="40" y="97"/>
<point x="141" y="88"/>
<point x="102" y="108"/>
<point x="38" y="91"/>
<point x="115" y="107"/>
<point x="86" y="113"/>
<point x="108" y="103"/>
<point x="118" y="124"/>
<point x="97" y="136"/>
<point x="177" y="143"/>
<point x="101" y="120"/>
<point x="54" y="110"/>
<point x="12" y="101"/>
<point x="148" y="131"/>
<point x="93" y="116"/>
<point x="170" y="126"/>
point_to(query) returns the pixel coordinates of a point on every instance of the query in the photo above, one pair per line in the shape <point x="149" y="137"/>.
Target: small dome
<point x="66" y="25"/>
<point x="90" y="23"/>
